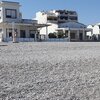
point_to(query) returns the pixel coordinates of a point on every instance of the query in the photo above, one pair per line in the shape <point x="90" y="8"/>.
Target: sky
<point x="88" y="10"/>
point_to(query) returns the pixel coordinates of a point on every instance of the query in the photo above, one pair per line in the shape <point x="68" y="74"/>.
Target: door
<point x="32" y="33"/>
<point x="22" y="34"/>
<point x="72" y="36"/>
<point x="81" y="36"/>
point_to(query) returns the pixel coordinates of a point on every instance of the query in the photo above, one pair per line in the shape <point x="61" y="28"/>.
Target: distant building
<point x="12" y="25"/>
<point x="56" y="16"/>
<point x="62" y="21"/>
<point x="96" y="30"/>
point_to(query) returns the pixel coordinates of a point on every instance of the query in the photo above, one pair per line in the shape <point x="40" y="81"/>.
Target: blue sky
<point x="88" y="10"/>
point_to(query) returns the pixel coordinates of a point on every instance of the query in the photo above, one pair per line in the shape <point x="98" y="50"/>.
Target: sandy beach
<point x="50" y="71"/>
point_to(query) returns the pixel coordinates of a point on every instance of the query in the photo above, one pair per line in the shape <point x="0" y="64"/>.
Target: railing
<point x="19" y="39"/>
<point x="52" y="14"/>
<point x="28" y="21"/>
<point x="26" y="39"/>
<point x="58" y="39"/>
<point x="33" y="40"/>
<point x="52" y="21"/>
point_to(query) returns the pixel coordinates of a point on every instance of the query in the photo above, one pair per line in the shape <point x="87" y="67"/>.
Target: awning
<point x="73" y="29"/>
<point x="27" y="24"/>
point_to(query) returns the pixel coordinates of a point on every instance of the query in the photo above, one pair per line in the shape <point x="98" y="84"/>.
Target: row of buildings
<point x="63" y="21"/>
<point x="55" y="22"/>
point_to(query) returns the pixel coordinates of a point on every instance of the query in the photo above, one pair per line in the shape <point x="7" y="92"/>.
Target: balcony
<point x="52" y="21"/>
<point x="73" y="18"/>
<point x="63" y="14"/>
<point x="52" y="14"/>
<point x="62" y="18"/>
<point x="66" y="13"/>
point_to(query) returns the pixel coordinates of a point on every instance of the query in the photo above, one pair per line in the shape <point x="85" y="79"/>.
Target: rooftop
<point x="72" y="24"/>
<point x="53" y="11"/>
<point x="10" y="2"/>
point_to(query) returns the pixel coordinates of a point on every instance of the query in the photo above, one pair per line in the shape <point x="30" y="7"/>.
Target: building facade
<point x="12" y="25"/>
<point x="62" y="21"/>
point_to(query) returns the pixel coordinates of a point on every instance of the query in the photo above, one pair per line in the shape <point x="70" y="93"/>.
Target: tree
<point x="61" y="35"/>
<point x="94" y="37"/>
<point x="52" y="35"/>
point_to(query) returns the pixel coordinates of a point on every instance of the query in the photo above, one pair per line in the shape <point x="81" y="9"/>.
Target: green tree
<point x="52" y="35"/>
<point x="61" y="35"/>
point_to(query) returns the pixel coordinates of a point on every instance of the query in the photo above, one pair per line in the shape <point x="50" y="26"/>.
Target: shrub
<point x="52" y="35"/>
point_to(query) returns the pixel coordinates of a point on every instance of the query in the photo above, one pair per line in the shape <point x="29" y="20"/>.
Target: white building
<point x="62" y="21"/>
<point x="96" y="30"/>
<point x="90" y="33"/>
<point x="12" y="26"/>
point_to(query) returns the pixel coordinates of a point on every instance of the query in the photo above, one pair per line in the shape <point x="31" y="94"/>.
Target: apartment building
<point x="56" y="16"/>
<point x="12" y="25"/>
<point x="63" y="21"/>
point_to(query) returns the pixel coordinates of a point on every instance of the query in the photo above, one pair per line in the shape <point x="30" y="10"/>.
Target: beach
<point x="50" y="71"/>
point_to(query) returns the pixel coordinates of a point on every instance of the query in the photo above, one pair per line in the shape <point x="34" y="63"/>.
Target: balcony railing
<point x="52" y="21"/>
<point x="19" y="39"/>
<point x="52" y="14"/>
<point x="24" y="21"/>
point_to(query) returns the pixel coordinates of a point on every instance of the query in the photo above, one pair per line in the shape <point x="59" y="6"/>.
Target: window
<point x="32" y="33"/>
<point x="61" y="12"/>
<point x="72" y="35"/>
<point x="72" y="12"/>
<point x="99" y="26"/>
<point x="66" y="18"/>
<point x="22" y="34"/>
<point x="0" y="30"/>
<point x="52" y="19"/>
<point x="73" y="18"/>
<point x="9" y="33"/>
<point x="11" y="13"/>
<point x="61" y="17"/>
<point x="8" y="14"/>
<point x="0" y="13"/>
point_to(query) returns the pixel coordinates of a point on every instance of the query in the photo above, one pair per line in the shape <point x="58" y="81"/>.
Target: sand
<point x="50" y="71"/>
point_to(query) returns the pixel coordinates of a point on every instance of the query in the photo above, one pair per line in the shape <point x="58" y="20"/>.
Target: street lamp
<point x="14" y="33"/>
<point x="69" y="33"/>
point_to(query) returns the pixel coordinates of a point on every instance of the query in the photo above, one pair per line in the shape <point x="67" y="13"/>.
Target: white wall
<point x="51" y="29"/>
<point x="96" y="29"/>
<point x="42" y="19"/>
<point x="90" y="27"/>
<point x="1" y="15"/>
